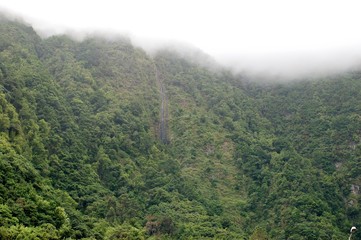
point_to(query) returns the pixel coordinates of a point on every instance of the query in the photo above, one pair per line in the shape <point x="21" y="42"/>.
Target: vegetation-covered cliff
<point x="99" y="140"/>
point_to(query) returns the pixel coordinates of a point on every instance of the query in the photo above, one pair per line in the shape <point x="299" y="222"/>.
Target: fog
<point x="296" y="64"/>
<point x="279" y="37"/>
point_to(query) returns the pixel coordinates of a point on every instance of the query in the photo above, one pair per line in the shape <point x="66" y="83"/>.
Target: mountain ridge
<point x="81" y="154"/>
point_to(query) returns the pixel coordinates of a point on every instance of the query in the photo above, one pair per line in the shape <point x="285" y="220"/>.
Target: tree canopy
<point x="81" y="156"/>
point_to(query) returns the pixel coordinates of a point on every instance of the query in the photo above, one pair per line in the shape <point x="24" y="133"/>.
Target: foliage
<point x="81" y="158"/>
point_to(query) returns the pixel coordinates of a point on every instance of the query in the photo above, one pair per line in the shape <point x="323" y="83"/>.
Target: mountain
<point x="100" y="140"/>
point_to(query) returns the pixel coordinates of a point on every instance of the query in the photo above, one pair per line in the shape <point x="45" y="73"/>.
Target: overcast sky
<point x="259" y="34"/>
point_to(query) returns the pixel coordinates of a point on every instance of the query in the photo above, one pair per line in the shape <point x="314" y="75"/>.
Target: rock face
<point x="338" y="165"/>
<point x="355" y="189"/>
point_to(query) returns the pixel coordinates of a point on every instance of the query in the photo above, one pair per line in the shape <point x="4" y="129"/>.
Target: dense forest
<point x="100" y="140"/>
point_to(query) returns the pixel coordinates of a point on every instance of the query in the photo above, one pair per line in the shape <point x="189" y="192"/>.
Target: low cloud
<point x="232" y="52"/>
<point x="293" y="65"/>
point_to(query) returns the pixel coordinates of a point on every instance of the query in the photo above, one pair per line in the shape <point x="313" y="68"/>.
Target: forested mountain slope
<point x="81" y="155"/>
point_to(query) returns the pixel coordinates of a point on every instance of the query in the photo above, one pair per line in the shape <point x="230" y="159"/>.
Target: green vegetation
<point x="81" y="155"/>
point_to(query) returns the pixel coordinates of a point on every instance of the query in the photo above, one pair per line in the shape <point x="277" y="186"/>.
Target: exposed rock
<point x="338" y="165"/>
<point x="355" y="189"/>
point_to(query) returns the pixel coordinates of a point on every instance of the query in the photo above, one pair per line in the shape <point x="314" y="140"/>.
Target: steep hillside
<point x="99" y="140"/>
<point x="320" y="120"/>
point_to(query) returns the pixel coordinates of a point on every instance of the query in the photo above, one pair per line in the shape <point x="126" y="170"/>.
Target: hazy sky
<point x="260" y="34"/>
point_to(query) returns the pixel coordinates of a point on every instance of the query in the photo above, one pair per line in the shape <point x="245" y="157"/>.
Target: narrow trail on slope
<point x="163" y="126"/>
